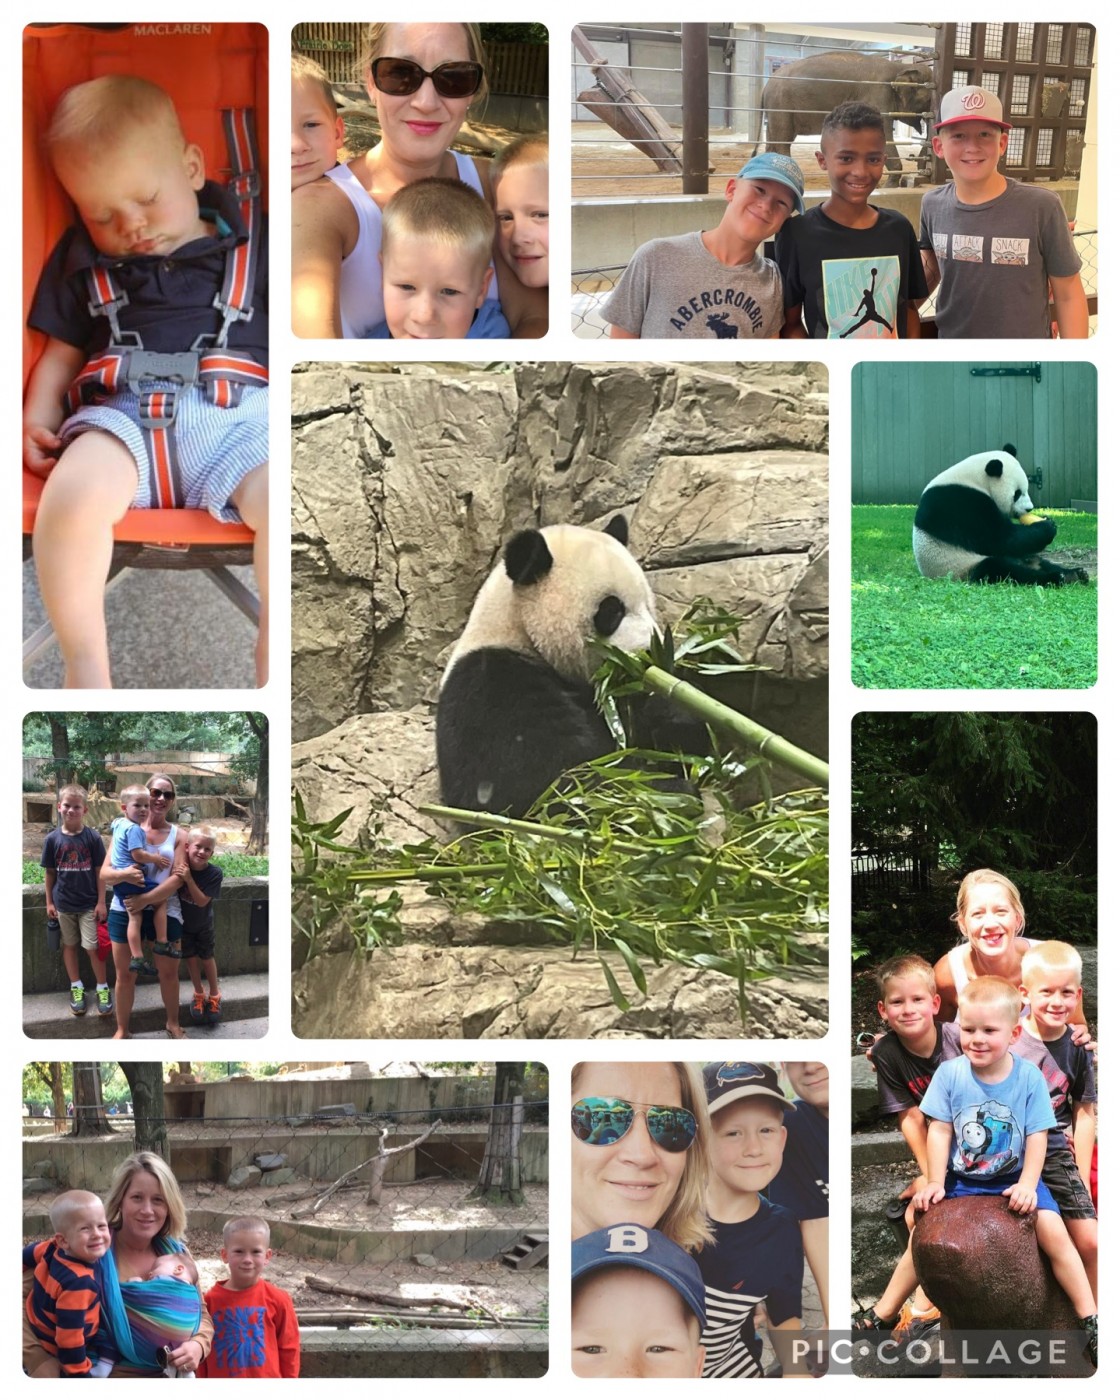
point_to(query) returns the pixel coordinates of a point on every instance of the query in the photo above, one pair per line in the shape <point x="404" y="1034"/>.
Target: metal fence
<point x="394" y="1268"/>
<point x="592" y="285"/>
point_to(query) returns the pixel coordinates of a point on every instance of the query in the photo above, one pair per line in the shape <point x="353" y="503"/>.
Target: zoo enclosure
<point x="1041" y="72"/>
<point x="942" y="412"/>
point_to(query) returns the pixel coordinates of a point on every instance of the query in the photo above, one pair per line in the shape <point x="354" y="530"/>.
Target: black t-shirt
<point x="903" y="1076"/>
<point x="76" y="860"/>
<point x="801" y="1185"/>
<point x="852" y="283"/>
<point x="201" y="920"/>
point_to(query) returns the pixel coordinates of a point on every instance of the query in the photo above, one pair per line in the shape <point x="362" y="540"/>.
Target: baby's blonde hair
<point x="991" y="991"/>
<point x="906" y="965"/>
<point x="306" y="70"/>
<point x="1051" y="956"/>
<point x="525" y="150"/>
<point x="96" y="117"/>
<point x="987" y="877"/>
<point x="445" y="211"/>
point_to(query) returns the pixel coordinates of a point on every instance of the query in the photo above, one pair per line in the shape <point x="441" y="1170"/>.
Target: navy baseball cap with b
<point x="772" y="166"/>
<point x="634" y="1247"/>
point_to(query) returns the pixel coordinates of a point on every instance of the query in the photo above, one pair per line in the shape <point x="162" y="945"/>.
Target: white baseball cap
<point x="971" y="104"/>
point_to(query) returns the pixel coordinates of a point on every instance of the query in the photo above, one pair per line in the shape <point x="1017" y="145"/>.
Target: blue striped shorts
<point x="217" y="447"/>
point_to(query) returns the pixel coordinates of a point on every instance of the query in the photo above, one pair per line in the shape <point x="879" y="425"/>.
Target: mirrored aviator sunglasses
<point x="400" y="77"/>
<point x="602" y="1122"/>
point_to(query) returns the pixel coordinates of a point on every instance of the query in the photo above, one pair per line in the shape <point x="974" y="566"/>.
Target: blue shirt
<point x="991" y="1122"/>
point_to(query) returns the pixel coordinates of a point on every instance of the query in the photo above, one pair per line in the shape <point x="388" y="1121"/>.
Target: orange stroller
<point x="205" y="68"/>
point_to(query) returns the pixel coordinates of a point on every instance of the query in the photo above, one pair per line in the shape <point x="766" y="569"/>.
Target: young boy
<point x="997" y="248"/>
<point x="437" y="237"/>
<point x="905" y="1060"/>
<point x="854" y="270"/>
<point x="145" y="268"/>
<point x="129" y="847"/>
<point x="715" y="284"/>
<point x="519" y="179"/>
<point x="63" y="1312"/>
<point x="73" y="855"/>
<point x="1052" y="990"/>
<point x="256" y="1332"/>
<point x="202" y="883"/>
<point x="637" y="1306"/>
<point x="801" y="1186"/>
<point x="990" y="1117"/>
<point x="757" y="1255"/>
<point x="317" y="130"/>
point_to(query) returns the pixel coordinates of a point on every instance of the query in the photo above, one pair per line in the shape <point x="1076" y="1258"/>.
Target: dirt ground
<point x="233" y="836"/>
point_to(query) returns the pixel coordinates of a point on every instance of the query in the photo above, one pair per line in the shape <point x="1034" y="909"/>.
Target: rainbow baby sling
<point x="144" y="1315"/>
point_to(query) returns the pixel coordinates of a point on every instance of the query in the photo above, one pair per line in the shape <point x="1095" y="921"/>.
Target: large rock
<point x="425" y="992"/>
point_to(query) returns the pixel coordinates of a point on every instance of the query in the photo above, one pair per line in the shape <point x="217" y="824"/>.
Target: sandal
<point x="868" y="1320"/>
<point x="167" y="950"/>
<point x="136" y="964"/>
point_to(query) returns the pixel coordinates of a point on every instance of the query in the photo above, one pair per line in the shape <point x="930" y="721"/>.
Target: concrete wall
<point x="605" y="232"/>
<point x="43" y="970"/>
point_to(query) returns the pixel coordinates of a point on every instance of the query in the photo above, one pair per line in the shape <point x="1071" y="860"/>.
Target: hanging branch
<point x="382" y="1154"/>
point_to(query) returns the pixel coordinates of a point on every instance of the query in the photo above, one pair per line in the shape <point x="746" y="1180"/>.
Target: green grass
<point x="910" y="632"/>
<point x="233" y="867"/>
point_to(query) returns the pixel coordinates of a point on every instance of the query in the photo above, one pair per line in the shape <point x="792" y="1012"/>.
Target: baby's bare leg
<point x="135" y="943"/>
<point x="85" y="495"/>
<point x="251" y="500"/>
<point x="159" y="920"/>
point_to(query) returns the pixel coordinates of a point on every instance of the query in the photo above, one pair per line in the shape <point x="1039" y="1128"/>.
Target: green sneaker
<point x="77" y="1001"/>
<point x="104" y="1001"/>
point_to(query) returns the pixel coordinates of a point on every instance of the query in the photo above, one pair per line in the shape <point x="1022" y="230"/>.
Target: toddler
<point x="129" y="847"/>
<point x="63" y="1311"/>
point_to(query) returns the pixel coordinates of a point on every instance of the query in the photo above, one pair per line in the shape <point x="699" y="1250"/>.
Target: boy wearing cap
<point x="637" y="1306"/>
<point x="757" y="1255"/>
<point x="713" y="285"/>
<point x="997" y="248"/>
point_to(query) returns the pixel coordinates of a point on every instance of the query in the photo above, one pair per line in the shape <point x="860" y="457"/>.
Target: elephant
<point x="801" y="94"/>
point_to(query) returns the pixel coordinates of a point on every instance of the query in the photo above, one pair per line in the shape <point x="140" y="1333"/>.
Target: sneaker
<point x="77" y="1001"/>
<point x="104" y="1001"/>
<point x="198" y="1008"/>
<point x="1090" y="1326"/>
<point x="912" y="1325"/>
<point x="214" y="1008"/>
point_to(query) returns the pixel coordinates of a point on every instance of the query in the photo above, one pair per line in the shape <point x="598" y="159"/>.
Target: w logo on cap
<point x="971" y="100"/>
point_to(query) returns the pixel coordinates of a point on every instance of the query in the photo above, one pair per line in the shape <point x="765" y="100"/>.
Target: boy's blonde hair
<point x="73" y="790"/>
<point x="1051" y="956"/>
<point x="686" y="1220"/>
<point x="175" y="1226"/>
<point x="306" y="70"/>
<point x="905" y="965"/>
<point x="249" y="1224"/>
<point x="374" y="47"/>
<point x="136" y="790"/>
<point x="991" y="991"/>
<point x="64" y="1208"/>
<point x="987" y="877"/>
<point x="445" y="211"/>
<point x="203" y="831"/>
<point x="95" y="117"/>
<point x="525" y="150"/>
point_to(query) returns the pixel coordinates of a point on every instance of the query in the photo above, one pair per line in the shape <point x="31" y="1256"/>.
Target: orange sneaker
<point x="913" y="1325"/>
<point x="214" y="1008"/>
<point x="198" y="1008"/>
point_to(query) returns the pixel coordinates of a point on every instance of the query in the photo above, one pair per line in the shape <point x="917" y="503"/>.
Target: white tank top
<point x="361" y="304"/>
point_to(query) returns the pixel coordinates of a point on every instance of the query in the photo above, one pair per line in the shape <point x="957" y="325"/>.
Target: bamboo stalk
<point x="748" y="731"/>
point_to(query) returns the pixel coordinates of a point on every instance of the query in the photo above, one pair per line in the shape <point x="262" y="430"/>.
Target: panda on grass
<point x="516" y="704"/>
<point x="974" y="522"/>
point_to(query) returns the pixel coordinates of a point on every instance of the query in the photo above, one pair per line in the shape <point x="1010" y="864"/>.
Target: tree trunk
<point x="58" y="1093"/>
<point x="90" y="1118"/>
<point x="60" y="750"/>
<point x="258" y="830"/>
<point x="499" y="1180"/>
<point x="149" y="1125"/>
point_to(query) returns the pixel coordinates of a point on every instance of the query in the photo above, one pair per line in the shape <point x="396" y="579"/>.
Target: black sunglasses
<point x="161" y="792"/>
<point x="400" y="77"/>
<point x="602" y="1122"/>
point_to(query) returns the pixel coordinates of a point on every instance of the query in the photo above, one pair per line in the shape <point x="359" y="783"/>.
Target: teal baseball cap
<point x="769" y="165"/>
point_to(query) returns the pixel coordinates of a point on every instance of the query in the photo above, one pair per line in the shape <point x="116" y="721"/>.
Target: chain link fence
<point x="398" y="1262"/>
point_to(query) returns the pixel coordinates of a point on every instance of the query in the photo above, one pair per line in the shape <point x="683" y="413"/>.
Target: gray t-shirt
<point x="995" y="259"/>
<point x="673" y="289"/>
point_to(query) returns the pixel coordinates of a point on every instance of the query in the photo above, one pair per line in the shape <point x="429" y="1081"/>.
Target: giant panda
<point x="516" y="706"/>
<point x="967" y="525"/>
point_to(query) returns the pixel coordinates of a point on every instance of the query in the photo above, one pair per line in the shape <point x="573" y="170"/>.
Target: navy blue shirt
<point x="198" y="920"/>
<point x="170" y="297"/>
<point x="76" y="860"/>
<point x="802" y="1184"/>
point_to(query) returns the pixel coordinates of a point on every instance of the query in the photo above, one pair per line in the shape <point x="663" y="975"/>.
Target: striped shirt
<point x="63" y="1306"/>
